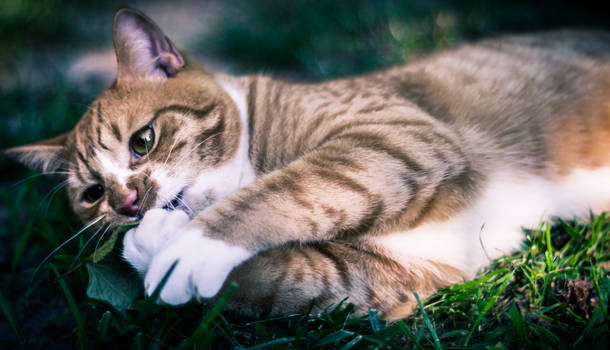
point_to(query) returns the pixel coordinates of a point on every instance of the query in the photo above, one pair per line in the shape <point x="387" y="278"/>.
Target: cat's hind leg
<point x="295" y="278"/>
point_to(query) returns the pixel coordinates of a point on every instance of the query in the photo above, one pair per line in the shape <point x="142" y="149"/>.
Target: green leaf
<point x="112" y="281"/>
<point x="100" y="253"/>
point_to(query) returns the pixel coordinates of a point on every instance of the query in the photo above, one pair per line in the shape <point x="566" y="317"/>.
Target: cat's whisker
<point x="185" y="205"/>
<point x="169" y="153"/>
<point x="144" y="198"/>
<point x="43" y="174"/>
<point x="179" y="162"/>
<point x="99" y="240"/>
<point x="48" y="198"/>
<point x="52" y="253"/>
<point x="80" y="252"/>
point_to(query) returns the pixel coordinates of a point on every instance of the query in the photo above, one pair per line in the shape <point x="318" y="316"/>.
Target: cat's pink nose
<point x="130" y="206"/>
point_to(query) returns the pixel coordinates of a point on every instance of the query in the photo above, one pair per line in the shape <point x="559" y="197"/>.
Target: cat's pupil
<point x="142" y="141"/>
<point x="93" y="193"/>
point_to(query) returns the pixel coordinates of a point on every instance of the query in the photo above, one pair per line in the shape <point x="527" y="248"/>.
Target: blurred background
<point x="56" y="56"/>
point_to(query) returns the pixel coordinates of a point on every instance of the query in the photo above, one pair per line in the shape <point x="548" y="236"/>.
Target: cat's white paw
<point x="157" y="228"/>
<point x="203" y="264"/>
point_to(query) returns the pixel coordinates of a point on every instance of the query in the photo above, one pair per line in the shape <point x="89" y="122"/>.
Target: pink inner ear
<point x="142" y="49"/>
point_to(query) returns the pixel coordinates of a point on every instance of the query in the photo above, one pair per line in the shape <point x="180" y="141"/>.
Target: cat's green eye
<point x="142" y="141"/>
<point x="93" y="193"/>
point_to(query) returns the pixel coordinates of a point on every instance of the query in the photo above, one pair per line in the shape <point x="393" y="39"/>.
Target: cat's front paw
<point x="202" y="265"/>
<point x="157" y="228"/>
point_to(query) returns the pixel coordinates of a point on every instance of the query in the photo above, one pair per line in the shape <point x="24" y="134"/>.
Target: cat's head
<point x="162" y="135"/>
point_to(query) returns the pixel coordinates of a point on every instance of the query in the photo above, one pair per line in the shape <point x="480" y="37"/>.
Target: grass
<point x="552" y="294"/>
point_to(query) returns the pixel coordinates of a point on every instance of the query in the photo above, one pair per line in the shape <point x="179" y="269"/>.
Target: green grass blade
<point x="8" y="312"/>
<point x="405" y="330"/>
<point x="505" y="282"/>
<point x="271" y="343"/>
<point x="428" y="323"/>
<point x="22" y="244"/>
<point x="374" y="320"/>
<point x="200" y="333"/>
<point x="350" y="344"/>
<point x="333" y="337"/>
<point x="157" y="291"/>
<point x="80" y="326"/>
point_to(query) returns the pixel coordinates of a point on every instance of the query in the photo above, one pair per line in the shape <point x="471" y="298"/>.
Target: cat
<point x="373" y="187"/>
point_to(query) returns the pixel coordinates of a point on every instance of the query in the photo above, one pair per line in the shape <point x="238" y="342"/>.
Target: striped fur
<point x="373" y="188"/>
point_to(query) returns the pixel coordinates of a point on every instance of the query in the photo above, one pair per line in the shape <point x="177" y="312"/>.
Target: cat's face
<point x="144" y="145"/>
<point x="146" y="141"/>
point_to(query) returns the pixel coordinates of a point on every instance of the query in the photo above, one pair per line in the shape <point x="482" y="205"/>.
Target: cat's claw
<point x="203" y="265"/>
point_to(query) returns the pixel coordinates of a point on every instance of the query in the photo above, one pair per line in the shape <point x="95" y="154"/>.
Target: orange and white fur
<point x="374" y="187"/>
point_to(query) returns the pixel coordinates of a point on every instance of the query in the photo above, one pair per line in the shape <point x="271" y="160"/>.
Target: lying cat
<point x="373" y="188"/>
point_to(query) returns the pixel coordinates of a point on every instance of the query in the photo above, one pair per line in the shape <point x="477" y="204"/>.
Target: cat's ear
<point x="45" y="156"/>
<point x="142" y="50"/>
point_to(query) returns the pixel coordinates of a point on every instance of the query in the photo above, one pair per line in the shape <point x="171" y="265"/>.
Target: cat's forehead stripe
<point x="110" y="166"/>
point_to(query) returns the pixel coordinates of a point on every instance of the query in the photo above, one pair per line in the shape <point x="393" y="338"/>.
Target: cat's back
<point x="496" y="74"/>
<point x="542" y="97"/>
<point x="523" y="99"/>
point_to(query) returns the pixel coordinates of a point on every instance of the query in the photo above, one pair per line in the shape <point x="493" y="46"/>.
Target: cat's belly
<point x="492" y="226"/>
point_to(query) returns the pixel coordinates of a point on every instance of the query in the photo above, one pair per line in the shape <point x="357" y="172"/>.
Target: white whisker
<point x="192" y="150"/>
<point x="99" y="240"/>
<point x="91" y="223"/>
<point x="43" y="174"/>
<point x="85" y="246"/>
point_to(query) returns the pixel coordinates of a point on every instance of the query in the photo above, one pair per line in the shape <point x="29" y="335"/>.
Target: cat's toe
<point x="155" y="231"/>
<point x="202" y="266"/>
<point x="138" y="258"/>
<point x="158" y="227"/>
<point x="178" y="289"/>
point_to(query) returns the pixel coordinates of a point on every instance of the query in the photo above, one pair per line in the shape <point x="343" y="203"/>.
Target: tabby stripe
<point x="313" y="227"/>
<point x="405" y="123"/>
<point x="265" y="131"/>
<point x="423" y="212"/>
<point x="340" y="215"/>
<point x="338" y="262"/>
<point x="347" y="99"/>
<point x="269" y="299"/>
<point x="343" y="181"/>
<point x="376" y="204"/>
<point x="315" y="124"/>
<point x="373" y="109"/>
<point x="324" y="160"/>
<point x="100" y="121"/>
<point x="99" y="139"/>
<point x="321" y="106"/>
<point x="289" y="181"/>
<point x="83" y="160"/>
<point x="116" y="131"/>
<point x="114" y="128"/>
<point x="376" y="143"/>
<point x="367" y="222"/>
<point x="199" y="113"/>
<point x="252" y="93"/>
<point x="98" y="111"/>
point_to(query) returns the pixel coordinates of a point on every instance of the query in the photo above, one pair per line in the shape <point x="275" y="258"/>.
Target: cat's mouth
<point x="178" y="204"/>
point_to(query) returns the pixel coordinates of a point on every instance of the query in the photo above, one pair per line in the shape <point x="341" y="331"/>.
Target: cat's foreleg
<point x="346" y="188"/>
